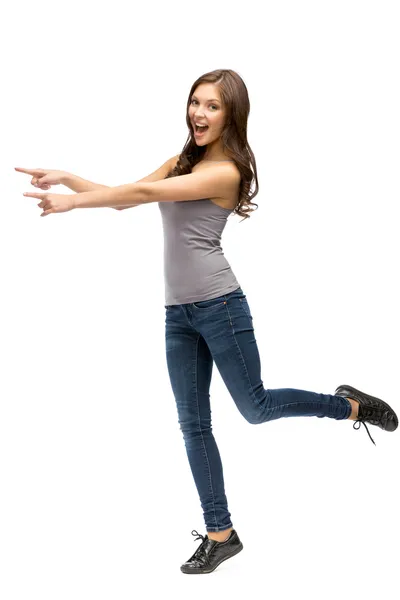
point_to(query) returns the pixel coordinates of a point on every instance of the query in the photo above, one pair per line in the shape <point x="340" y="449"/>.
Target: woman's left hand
<point x="53" y="203"/>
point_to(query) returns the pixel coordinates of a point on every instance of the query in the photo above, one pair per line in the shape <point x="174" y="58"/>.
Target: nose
<point x="198" y="114"/>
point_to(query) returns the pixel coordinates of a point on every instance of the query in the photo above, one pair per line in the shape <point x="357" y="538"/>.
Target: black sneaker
<point x="211" y="553"/>
<point x="371" y="409"/>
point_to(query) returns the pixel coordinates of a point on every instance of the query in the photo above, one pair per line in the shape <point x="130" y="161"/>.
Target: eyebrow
<point x="207" y="100"/>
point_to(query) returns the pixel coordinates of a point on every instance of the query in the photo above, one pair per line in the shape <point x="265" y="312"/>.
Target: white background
<point x="97" y="497"/>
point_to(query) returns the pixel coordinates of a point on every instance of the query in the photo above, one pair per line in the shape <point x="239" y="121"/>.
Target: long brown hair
<point x="235" y="99"/>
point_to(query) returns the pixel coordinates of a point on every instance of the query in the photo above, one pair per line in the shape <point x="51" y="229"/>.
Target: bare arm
<point x="160" y="173"/>
<point x="77" y="184"/>
<point x="216" y="181"/>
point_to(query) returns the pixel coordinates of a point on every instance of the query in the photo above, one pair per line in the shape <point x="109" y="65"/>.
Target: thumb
<point x="44" y="179"/>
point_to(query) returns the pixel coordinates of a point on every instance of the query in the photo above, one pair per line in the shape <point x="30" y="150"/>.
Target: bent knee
<point x="253" y="418"/>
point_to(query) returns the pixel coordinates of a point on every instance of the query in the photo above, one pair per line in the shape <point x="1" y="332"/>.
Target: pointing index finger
<point x="35" y="195"/>
<point x="36" y="172"/>
<point x="28" y="171"/>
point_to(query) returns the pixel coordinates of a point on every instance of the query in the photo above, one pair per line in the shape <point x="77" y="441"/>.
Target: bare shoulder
<point x="232" y="179"/>
<point x="220" y="166"/>
<point x="231" y="194"/>
<point x="233" y="168"/>
<point x="226" y="167"/>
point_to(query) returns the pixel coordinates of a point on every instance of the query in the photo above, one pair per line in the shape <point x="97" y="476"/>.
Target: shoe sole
<point x="194" y="571"/>
<point x="352" y="389"/>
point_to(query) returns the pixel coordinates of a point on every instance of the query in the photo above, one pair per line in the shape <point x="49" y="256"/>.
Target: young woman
<point x="208" y="317"/>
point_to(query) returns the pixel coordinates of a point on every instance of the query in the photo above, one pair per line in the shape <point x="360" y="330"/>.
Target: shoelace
<point x="359" y="421"/>
<point x="200" y="555"/>
<point x="194" y="532"/>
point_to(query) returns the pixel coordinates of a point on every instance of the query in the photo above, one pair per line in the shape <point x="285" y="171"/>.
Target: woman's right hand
<point x="44" y="178"/>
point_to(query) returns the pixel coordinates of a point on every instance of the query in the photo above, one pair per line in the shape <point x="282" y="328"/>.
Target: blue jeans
<point x="221" y="331"/>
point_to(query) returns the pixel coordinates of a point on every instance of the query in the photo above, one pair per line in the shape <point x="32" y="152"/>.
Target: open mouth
<point x="200" y="130"/>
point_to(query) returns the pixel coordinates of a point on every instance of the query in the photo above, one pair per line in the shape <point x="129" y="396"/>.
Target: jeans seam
<point x="201" y="433"/>
<point x="242" y="359"/>
<point x="292" y="404"/>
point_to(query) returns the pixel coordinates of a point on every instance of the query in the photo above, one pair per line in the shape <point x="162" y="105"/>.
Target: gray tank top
<point x="195" y="267"/>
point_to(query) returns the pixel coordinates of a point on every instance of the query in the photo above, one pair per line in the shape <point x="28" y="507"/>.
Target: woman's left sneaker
<point x="211" y="553"/>
<point x="372" y="410"/>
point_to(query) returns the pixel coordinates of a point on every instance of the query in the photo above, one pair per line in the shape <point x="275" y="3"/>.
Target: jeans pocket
<point x="209" y="304"/>
<point x="245" y="305"/>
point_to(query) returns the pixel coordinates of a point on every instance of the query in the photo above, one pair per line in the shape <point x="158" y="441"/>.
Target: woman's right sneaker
<point x="211" y="553"/>
<point x="371" y="410"/>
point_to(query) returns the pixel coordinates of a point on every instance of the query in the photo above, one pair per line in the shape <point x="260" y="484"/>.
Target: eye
<point x="212" y="105"/>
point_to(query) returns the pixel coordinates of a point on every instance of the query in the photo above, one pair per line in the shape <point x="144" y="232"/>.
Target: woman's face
<point x="206" y="108"/>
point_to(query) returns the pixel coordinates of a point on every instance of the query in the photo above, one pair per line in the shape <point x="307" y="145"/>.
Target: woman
<point x="208" y="317"/>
